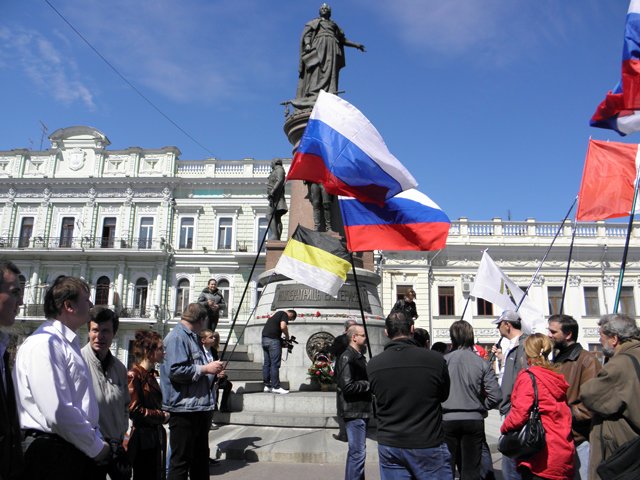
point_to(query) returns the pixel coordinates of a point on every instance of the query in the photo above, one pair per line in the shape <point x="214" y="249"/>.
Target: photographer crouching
<point x="275" y="328"/>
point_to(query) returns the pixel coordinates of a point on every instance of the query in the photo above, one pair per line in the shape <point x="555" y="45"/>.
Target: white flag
<point x="493" y="285"/>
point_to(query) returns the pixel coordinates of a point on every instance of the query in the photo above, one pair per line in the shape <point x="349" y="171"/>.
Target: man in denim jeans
<point x="409" y="383"/>
<point x="354" y="400"/>
<point x="186" y="379"/>
<point x="275" y="327"/>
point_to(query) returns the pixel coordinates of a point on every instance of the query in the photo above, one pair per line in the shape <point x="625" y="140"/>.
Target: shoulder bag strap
<point x="535" y="389"/>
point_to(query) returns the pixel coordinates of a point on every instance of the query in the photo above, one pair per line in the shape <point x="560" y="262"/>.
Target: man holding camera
<point x="275" y="328"/>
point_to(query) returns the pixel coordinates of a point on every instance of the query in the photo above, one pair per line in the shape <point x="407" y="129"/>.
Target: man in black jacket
<point x="409" y="383"/>
<point x="337" y="348"/>
<point x="213" y="301"/>
<point x="354" y="399"/>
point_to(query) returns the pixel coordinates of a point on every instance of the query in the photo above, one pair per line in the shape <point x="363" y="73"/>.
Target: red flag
<point x="608" y="181"/>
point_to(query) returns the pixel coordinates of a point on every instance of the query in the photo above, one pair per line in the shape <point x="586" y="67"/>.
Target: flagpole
<point x="526" y="292"/>
<point x="246" y="287"/>
<point x="465" y="307"/>
<point x="566" y="276"/>
<point x="626" y="244"/>
<point x="364" y="323"/>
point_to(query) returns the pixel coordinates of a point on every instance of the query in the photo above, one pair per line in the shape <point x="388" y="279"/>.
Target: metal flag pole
<point x="526" y="292"/>
<point x="626" y="244"/>
<point x="364" y="323"/>
<point x="465" y="307"/>
<point x="246" y="287"/>
<point x="566" y="276"/>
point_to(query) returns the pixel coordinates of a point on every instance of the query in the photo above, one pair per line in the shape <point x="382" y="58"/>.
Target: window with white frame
<point x="591" y="302"/>
<point x="225" y="233"/>
<point x="140" y="297"/>
<point x="102" y="291"/>
<point x="223" y="286"/>
<point x="182" y="296"/>
<point x="555" y="299"/>
<point x="108" y="232"/>
<point x="626" y="304"/>
<point x="145" y="236"/>
<point x="26" y="231"/>
<point x="66" y="232"/>
<point x="263" y="223"/>
<point x="186" y="232"/>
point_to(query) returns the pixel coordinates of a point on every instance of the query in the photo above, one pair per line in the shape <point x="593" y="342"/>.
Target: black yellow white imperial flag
<point x="315" y="259"/>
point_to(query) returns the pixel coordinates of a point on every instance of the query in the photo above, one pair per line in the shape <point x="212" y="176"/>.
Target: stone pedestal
<point x="320" y="319"/>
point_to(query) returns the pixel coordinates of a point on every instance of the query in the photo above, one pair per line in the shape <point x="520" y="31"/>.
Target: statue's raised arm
<point x="321" y="57"/>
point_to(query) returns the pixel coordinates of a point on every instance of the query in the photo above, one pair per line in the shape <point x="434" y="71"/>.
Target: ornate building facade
<point x="147" y="230"/>
<point x="143" y="228"/>
<point x="443" y="280"/>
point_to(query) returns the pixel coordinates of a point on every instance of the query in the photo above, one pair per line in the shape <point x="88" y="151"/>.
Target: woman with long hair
<point x="556" y="459"/>
<point x="148" y="440"/>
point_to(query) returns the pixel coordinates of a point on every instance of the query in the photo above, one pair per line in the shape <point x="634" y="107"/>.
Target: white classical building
<point x="147" y="230"/>
<point x="143" y="228"/>
<point x="442" y="280"/>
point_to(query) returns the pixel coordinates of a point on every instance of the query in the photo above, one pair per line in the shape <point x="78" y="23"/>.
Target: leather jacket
<point x="354" y="395"/>
<point x="145" y="408"/>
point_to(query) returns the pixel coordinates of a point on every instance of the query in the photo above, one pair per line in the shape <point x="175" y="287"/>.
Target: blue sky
<point x="486" y="102"/>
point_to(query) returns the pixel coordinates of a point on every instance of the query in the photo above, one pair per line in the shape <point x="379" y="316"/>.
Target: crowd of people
<point x="75" y="412"/>
<point x="430" y="405"/>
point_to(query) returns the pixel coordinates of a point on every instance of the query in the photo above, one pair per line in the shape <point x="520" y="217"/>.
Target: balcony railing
<point x="82" y="243"/>
<point x="531" y="228"/>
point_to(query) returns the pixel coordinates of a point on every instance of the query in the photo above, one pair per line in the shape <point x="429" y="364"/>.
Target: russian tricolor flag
<point x="408" y="221"/>
<point x="620" y="110"/>
<point x="342" y="150"/>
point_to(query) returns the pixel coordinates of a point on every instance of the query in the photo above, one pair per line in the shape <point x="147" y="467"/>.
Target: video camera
<point x="288" y="344"/>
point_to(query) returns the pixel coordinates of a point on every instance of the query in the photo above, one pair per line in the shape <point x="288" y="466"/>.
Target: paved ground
<point x="240" y="469"/>
<point x="250" y="452"/>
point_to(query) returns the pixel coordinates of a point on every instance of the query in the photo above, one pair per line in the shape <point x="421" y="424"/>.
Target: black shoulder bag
<point x="624" y="463"/>
<point x="530" y="438"/>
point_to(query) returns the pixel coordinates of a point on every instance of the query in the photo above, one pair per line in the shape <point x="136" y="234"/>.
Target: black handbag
<point x="529" y="439"/>
<point x="624" y="463"/>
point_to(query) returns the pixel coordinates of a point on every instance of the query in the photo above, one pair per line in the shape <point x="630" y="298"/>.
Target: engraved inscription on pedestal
<point x="292" y="295"/>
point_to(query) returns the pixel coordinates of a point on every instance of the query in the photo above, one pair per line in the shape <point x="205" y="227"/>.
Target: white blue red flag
<point x="342" y="150"/>
<point x="408" y="221"/>
<point x="620" y="110"/>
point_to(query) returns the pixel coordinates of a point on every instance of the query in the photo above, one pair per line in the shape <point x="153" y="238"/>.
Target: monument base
<point x="320" y="319"/>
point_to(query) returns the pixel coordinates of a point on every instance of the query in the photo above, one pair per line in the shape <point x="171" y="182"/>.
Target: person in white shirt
<point x="57" y="406"/>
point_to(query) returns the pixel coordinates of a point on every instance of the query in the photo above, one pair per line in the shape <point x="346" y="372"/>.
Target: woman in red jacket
<point x="555" y="460"/>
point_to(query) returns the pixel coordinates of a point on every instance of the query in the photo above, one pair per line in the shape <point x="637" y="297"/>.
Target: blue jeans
<point x="415" y="463"/>
<point x="509" y="471"/>
<point x="272" y="353"/>
<point x="357" y="436"/>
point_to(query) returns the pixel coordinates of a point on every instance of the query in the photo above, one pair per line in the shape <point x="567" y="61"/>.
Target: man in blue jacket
<point x="187" y="394"/>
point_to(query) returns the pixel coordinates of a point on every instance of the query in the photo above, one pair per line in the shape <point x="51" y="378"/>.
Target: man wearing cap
<point x="510" y="326"/>
<point x="188" y="396"/>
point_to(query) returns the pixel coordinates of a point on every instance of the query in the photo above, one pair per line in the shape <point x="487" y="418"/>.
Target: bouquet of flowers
<point x="321" y="370"/>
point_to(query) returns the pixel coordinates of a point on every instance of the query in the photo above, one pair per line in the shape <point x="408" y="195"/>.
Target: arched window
<point x="102" y="291"/>
<point x="140" y="297"/>
<point x="223" y="286"/>
<point x="182" y="296"/>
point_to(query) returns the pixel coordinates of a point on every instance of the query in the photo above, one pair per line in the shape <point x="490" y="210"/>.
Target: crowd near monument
<point x="319" y="325"/>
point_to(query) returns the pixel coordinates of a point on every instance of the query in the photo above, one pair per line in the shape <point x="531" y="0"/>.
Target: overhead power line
<point x="125" y="80"/>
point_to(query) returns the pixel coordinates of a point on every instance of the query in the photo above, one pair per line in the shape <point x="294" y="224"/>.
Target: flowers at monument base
<point x="321" y="370"/>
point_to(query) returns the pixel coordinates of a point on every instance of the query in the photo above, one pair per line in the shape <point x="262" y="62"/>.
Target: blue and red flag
<point x="408" y="221"/>
<point x="620" y="110"/>
<point x="342" y="150"/>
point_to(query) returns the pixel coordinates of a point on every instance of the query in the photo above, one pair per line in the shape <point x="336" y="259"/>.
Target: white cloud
<point x="190" y="51"/>
<point x="48" y="68"/>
